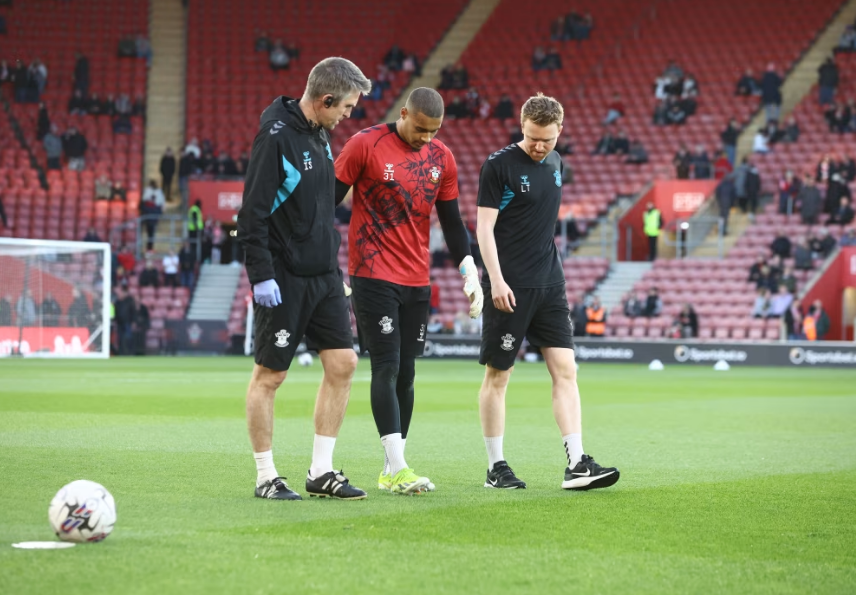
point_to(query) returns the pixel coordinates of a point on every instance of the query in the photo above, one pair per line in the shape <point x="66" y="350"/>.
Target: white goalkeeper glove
<point x="472" y="287"/>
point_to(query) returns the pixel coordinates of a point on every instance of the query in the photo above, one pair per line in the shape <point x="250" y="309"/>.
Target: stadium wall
<point x="829" y="286"/>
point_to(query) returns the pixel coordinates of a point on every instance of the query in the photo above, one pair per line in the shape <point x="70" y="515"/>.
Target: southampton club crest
<point x="435" y="174"/>
<point x="558" y="178"/>
<point x="282" y="338"/>
<point x="386" y="325"/>
<point x="507" y="342"/>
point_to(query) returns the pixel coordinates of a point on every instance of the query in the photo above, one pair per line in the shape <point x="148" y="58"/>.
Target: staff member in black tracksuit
<point x="285" y="227"/>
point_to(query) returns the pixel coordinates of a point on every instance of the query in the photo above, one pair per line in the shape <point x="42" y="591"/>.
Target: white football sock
<point x="386" y="458"/>
<point x="393" y="445"/>
<point x="573" y="448"/>
<point x="494" y="450"/>
<point x="322" y="455"/>
<point x="264" y="467"/>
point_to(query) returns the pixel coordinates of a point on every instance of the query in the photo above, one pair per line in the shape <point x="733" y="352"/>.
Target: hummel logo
<point x="586" y="474"/>
<point x="277" y="126"/>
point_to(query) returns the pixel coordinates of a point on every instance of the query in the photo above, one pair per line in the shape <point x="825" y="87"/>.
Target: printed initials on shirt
<point x="307" y="161"/>
<point x="389" y="173"/>
<point x="524" y="184"/>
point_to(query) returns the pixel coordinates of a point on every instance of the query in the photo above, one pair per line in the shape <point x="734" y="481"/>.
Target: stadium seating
<point x="630" y="45"/>
<point x="229" y="84"/>
<point x="53" y="32"/>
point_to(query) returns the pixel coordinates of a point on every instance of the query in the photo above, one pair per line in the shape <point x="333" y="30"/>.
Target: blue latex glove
<point x="267" y="294"/>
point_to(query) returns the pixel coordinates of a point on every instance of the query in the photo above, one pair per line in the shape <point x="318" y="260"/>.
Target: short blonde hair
<point x="542" y="110"/>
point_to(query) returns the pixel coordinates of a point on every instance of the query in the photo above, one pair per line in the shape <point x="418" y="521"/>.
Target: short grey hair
<point x="338" y="77"/>
<point x="426" y="101"/>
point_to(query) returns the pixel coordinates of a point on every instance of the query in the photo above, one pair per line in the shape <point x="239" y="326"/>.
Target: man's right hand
<point x="267" y="294"/>
<point x="503" y="297"/>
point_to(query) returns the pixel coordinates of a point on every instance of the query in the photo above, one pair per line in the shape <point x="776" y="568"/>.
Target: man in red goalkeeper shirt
<point x="399" y="171"/>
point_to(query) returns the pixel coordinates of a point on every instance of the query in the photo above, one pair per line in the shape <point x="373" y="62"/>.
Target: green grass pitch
<point x="737" y="482"/>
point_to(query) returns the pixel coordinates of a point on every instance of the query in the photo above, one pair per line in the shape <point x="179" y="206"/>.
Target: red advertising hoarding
<point x="221" y="199"/>
<point x="54" y="340"/>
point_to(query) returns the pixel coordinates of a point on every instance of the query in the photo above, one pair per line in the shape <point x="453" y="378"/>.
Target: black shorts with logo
<point x="312" y="306"/>
<point x="541" y="315"/>
<point x="391" y="318"/>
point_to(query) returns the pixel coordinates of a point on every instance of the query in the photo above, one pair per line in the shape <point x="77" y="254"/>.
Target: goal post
<point x="54" y="299"/>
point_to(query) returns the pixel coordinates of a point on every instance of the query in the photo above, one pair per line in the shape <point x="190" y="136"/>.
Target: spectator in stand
<point x="457" y="109"/>
<point x="122" y="105"/>
<point x="836" y="189"/>
<point x="757" y="268"/>
<point x="827" y="80"/>
<point x="118" y="192"/>
<point x="74" y="146"/>
<point x="81" y="74"/>
<point x="53" y="148"/>
<point x="773" y="132"/>
<point x="620" y="145"/>
<point x="789" y="189"/>
<point x="195" y="224"/>
<point x="793" y="320"/>
<point x="78" y="311"/>
<point x="43" y="122"/>
<point x="838" y="116"/>
<point x="167" y="171"/>
<point x="688" y="320"/>
<point x="484" y="109"/>
<point x="771" y="92"/>
<point x="822" y="244"/>
<point x="816" y="322"/>
<point x="605" y="143"/>
<point x="826" y="168"/>
<point x="25" y="309"/>
<point x="848" y="238"/>
<point x="809" y="200"/>
<point x="186" y="264"/>
<point x="748" y="85"/>
<point x="170" y="269"/>
<point x="50" y="310"/>
<point x="802" y="256"/>
<point x="225" y="165"/>
<point x="761" y="308"/>
<point x="652" y="223"/>
<point x="217" y="240"/>
<point x="722" y="166"/>
<point x="394" y="58"/>
<point x="21" y="81"/>
<point x="557" y="29"/>
<point x="761" y="142"/>
<point x="142" y="324"/>
<point x="473" y="102"/>
<point x="262" y="43"/>
<point x="595" y="319"/>
<point x="504" y="108"/>
<point x="5" y="74"/>
<point x="565" y="144"/>
<point x="103" y="187"/>
<point x="702" y="167"/>
<point x="91" y="235"/>
<point x="437" y="246"/>
<point x="151" y="208"/>
<point x="632" y="305"/>
<point x="637" y="155"/>
<point x="125" y="314"/>
<point x="411" y="65"/>
<point x="515" y="136"/>
<point x="781" y="245"/>
<point x="94" y="106"/>
<point x="446" y="77"/>
<point x="847" y="167"/>
<point x="729" y="139"/>
<point x="753" y="190"/>
<point x="126" y="259"/>
<point x="726" y="197"/>
<point x="539" y="59"/>
<point x="675" y="113"/>
<point x="460" y="77"/>
<point x="278" y="58"/>
<point x="615" y="110"/>
<point x="789" y="280"/>
<point x="847" y="41"/>
<point x="149" y="276"/>
<point x="186" y="167"/>
<point x="653" y="304"/>
<point x="682" y="162"/>
<point x="553" y="60"/>
<point x="143" y="48"/>
<point x="791" y="133"/>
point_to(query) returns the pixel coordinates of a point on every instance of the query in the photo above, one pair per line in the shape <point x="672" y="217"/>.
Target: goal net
<point x="54" y="298"/>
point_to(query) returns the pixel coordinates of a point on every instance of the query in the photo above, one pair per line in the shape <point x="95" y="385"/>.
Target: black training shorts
<point x="391" y="318"/>
<point x="541" y="315"/>
<point x="311" y="306"/>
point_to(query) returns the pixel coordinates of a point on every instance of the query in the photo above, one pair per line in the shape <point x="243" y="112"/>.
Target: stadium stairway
<point x="449" y="50"/>
<point x="212" y="298"/>
<point x="621" y="279"/>
<point x="803" y="75"/>
<point x="166" y="90"/>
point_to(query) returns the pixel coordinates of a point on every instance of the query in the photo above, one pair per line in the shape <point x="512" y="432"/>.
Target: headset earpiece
<point x="328" y="102"/>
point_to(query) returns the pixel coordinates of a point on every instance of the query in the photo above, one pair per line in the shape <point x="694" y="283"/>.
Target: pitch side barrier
<point x="793" y="354"/>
